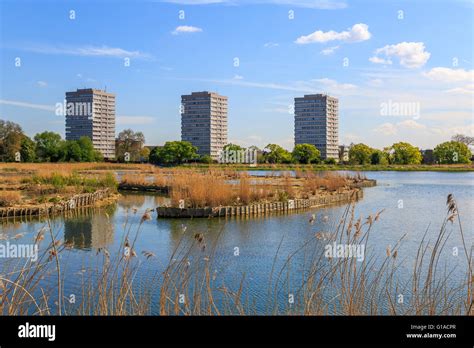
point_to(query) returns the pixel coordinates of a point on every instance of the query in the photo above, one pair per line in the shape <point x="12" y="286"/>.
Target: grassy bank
<point x="40" y="184"/>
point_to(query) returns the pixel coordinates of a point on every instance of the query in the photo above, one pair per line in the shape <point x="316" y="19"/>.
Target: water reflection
<point x="92" y="230"/>
<point x="138" y="200"/>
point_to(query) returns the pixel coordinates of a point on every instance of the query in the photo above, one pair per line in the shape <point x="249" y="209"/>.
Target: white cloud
<point x="314" y="4"/>
<point x="195" y="2"/>
<point x="41" y="84"/>
<point x="378" y="60"/>
<point x="468" y="89"/>
<point x="186" y="29"/>
<point x="308" y="86"/>
<point x="125" y="120"/>
<point x="449" y="116"/>
<point x="393" y="129"/>
<point x="329" y="50"/>
<point x="267" y="85"/>
<point x="448" y="132"/>
<point x="410" y="54"/>
<point x="358" y="32"/>
<point x="386" y="129"/>
<point x="450" y="75"/>
<point x="333" y="84"/>
<point x="411" y="124"/>
<point x="28" y="105"/>
<point x="94" y="51"/>
<point x="271" y="44"/>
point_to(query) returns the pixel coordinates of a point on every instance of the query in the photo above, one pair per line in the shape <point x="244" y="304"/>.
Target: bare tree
<point x="463" y="139"/>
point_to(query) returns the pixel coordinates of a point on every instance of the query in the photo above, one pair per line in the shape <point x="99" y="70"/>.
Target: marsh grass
<point x="188" y="285"/>
<point x="211" y="188"/>
<point x="313" y="182"/>
<point x="9" y="198"/>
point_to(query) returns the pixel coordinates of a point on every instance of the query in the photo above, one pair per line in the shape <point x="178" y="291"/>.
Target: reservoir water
<point x="412" y="202"/>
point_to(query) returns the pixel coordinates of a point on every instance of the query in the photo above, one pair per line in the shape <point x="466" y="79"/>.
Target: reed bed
<point x="211" y="188"/>
<point x="314" y="182"/>
<point x="199" y="190"/>
<point x="156" y="179"/>
<point x="9" y="198"/>
<point x="326" y="286"/>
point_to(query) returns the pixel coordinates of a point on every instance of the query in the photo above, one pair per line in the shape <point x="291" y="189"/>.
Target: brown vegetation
<point x="9" y="198"/>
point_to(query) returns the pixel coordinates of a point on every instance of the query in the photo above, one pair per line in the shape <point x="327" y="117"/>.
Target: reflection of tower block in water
<point x="85" y="232"/>
<point x="102" y="231"/>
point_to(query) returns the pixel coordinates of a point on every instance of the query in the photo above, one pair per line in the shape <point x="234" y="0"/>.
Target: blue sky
<point x="369" y="54"/>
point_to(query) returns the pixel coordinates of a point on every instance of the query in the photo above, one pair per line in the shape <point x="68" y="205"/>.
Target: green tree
<point x="28" y="150"/>
<point x="305" y="153"/>
<point x="451" y="152"/>
<point x="405" y="153"/>
<point x="360" y="154"/>
<point x="233" y="147"/>
<point x="379" y="157"/>
<point x="81" y="150"/>
<point x="144" y="154"/>
<point x="206" y="159"/>
<point x="131" y="142"/>
<point x="11" y="136"/>
<point x="274" y="153"/>
<point x="174" y="152"/>
<point x="72" y="151"/>
<point x="49" y="147"/>
<point x="89" y="154"/>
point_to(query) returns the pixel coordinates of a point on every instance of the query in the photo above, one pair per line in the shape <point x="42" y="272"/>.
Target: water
<point x="413" y="202"/>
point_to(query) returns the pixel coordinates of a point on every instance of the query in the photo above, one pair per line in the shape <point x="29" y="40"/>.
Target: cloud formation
<point x="94" y="51"/>
<point x="411" y="54"/>
<point x="378" y="60"/>
<point x="271" y="44"/>
<point x="329" y="50"/>
<point x="358" y="32"/>
<point x="450" y="75"/>
<point x="28" y="105"/>
<point x="186" y="29"/>
<point x="314" y="4"/>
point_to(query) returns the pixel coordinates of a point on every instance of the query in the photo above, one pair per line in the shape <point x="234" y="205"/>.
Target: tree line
<point x="16" y="146"/>
<point x="129" y="146"/>
<point x="450" y="152"/>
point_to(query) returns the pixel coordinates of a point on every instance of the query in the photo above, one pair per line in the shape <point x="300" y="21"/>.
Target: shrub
<point x="330" y="161"/>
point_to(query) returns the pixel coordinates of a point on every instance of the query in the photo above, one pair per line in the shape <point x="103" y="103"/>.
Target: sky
<point x="402" y="70"/>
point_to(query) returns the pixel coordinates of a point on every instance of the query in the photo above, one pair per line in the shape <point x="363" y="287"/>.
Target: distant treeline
<point x="129" y="145"/>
